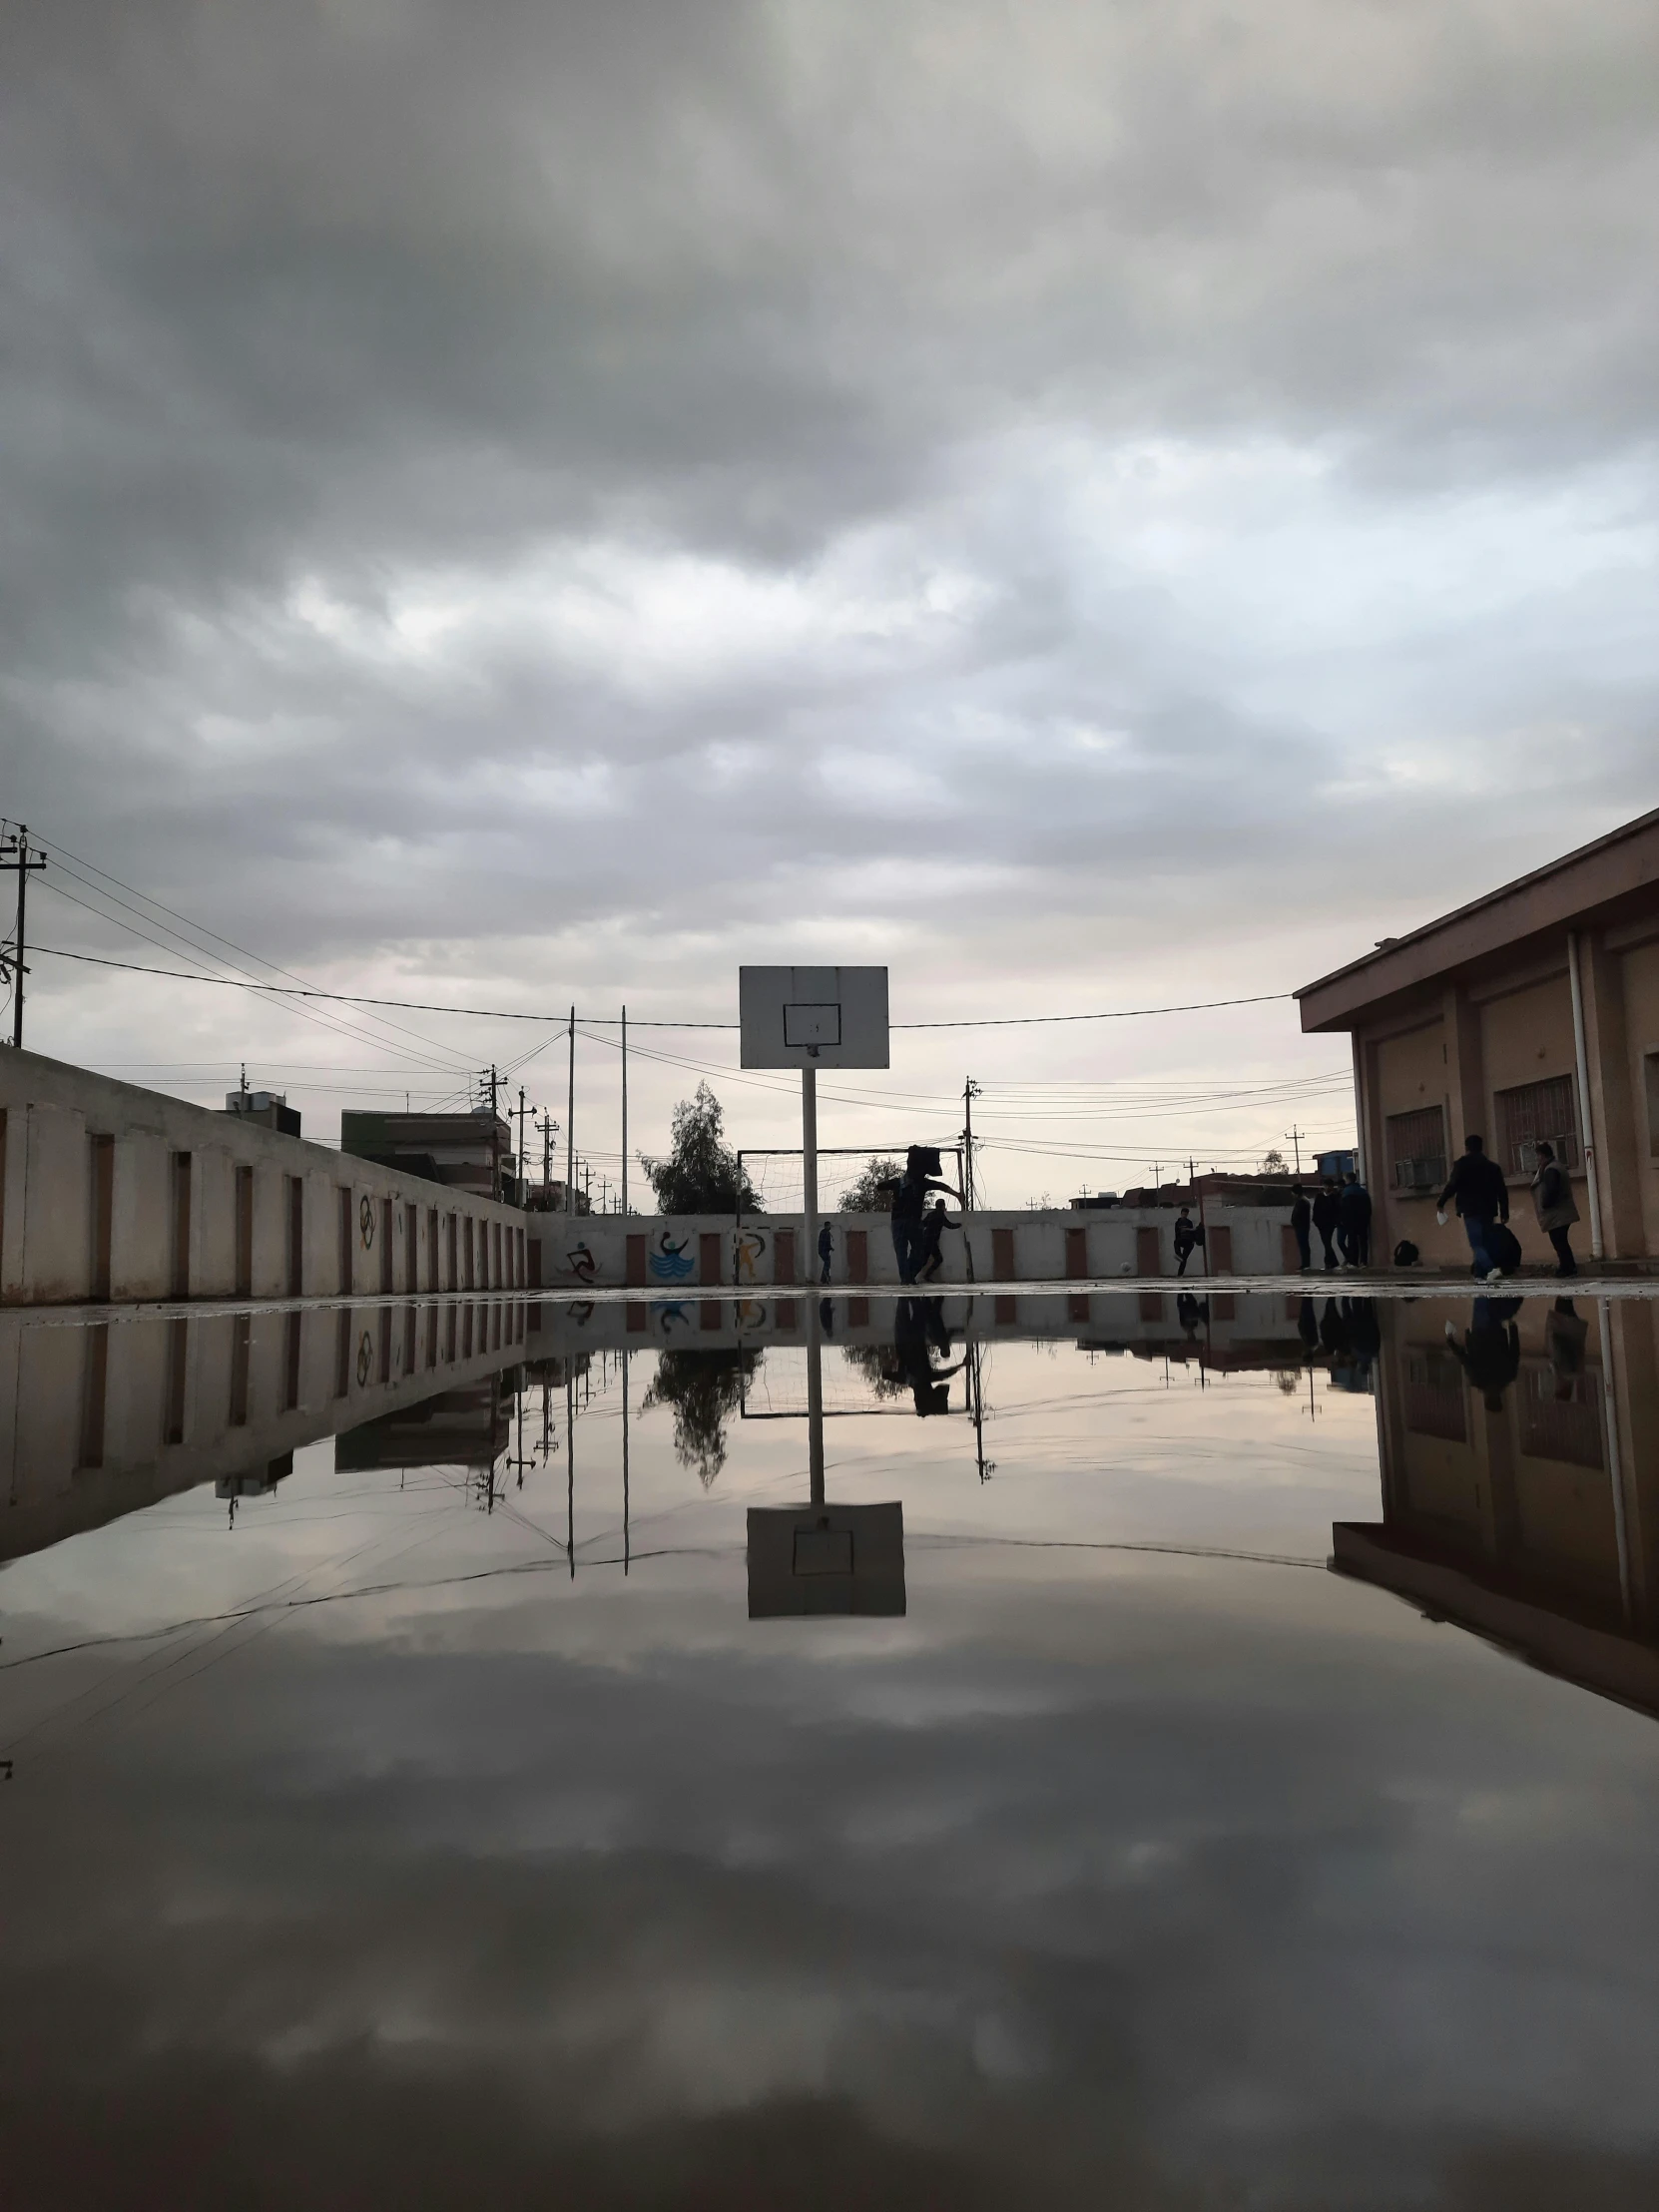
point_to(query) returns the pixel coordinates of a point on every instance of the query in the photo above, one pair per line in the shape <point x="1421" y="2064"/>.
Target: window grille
<point x="1416" y="1149"/>
<point x="1561" y="1426"/>
<point x="1434" y="1396"/>
<point x="1533" y="1110"/>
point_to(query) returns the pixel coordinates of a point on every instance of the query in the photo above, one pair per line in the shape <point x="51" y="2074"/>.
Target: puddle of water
<point x="1185" y="1753"/>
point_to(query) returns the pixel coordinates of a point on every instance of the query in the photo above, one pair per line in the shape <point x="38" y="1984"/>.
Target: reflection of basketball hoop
<point x="365" y="1218"/>
<point x="365" y="1355"/>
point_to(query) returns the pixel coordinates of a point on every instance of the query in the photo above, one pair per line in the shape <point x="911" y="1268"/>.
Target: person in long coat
<point x="1552" y="1200"/>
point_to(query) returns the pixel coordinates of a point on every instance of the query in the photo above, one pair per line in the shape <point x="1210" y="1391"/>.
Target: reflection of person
<point x="930" y="1257"/>
<point x="1307" y="1325"/>
<point x="1476" y="1185"/>
<point x="1566" y="1333"/>
<point x="1489" y="1354"/>
<point x="825" y="1249"/>
<point x="1190" y="1311"/>
<point x="918" y="1326"/>
<point x="1324" y="1221"/>
<point x="1552" y="1202"/>
<point x="1301" y="1215"/>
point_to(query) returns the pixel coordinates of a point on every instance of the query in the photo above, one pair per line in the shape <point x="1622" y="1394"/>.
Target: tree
<point x="703" y="1387"/>
<point x="1275" y="1163"/>
<point x="864" y="1197"/>
<point x="700" y="1175"/>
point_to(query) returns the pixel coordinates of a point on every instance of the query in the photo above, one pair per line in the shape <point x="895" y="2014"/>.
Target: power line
<point x="502" y="1013"/>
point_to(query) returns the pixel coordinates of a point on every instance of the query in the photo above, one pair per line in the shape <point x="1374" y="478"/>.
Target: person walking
<point x="1326" y="1210"/>
<point x="1552" y="1201"/>
<point x="1186" y="1239"/>
<point x="930" y="1257"/>
<point x="909" y="1196"/>
<point x="1477" y="1186"/>
<point x="1301" y="1215"/>
<point x="825" y="1249"/>
<point x="1353" y="1220"/>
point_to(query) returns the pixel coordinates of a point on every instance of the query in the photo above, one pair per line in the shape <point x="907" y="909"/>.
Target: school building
<point x="1530" y="1013"/>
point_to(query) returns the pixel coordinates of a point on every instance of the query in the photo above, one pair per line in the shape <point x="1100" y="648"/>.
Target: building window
<point x="1534" y="1111"/>
<point x="1417" y="1150"/>
<point x="1434" y="1396"/>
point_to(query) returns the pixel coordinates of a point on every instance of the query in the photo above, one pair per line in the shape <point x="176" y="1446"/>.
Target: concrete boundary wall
<point x="111" y="1193"/>
<point x="667" y="1254"/>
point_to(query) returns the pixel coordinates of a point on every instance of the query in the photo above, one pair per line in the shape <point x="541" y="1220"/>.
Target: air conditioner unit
<point x="1422" y="1174"/>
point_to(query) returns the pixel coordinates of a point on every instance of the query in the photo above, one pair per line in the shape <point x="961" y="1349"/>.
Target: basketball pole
<point x="814" y="1348"/>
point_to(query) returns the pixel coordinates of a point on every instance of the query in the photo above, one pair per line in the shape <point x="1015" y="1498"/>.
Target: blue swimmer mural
<point x="669" y="1261"/>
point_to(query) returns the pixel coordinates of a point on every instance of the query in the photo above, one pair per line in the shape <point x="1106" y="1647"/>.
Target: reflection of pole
<point x="977" y="1379"/>
<point x="624" y="1458"/>
<point x="570" y="1470"/>
<point x="1615" y="1470"/>
<point x="815" y="1402"/>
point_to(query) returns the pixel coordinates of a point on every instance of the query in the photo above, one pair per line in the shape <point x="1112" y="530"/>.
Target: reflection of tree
<point x="879" y="1366"/>
<point x="703" y="1387"/>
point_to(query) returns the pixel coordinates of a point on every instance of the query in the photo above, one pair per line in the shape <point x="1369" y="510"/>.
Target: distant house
<point x="1530" y="1013"/>
<point x="467" y="1152"/>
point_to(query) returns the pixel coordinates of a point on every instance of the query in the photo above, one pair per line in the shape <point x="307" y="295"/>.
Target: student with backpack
<point x="1477" y="1189"/>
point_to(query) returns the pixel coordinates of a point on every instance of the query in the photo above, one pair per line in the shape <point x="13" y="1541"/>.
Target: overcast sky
<point x="1090" y="505"/>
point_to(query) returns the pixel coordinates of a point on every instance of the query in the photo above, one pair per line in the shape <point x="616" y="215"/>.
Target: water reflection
<point x="501" y="1758"/>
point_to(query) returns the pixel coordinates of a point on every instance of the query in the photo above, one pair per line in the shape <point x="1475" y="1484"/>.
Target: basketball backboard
<point x="814" y="1017"/>
<point x="816" y="1560"/>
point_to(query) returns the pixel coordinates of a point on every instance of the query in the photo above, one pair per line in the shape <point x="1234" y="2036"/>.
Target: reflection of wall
<point x="98" y="1421"/>
<point x="1533" y="1521"/>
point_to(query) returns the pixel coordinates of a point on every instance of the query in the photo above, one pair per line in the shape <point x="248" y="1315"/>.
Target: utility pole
<point x="15" y="854"/>
<point x="570" y="1126"/>
<point x="970" y="1091"/>
<point x="624" y="1109"/>
<point x="1295" y="1135"/>
<point x="523" y="1162"/>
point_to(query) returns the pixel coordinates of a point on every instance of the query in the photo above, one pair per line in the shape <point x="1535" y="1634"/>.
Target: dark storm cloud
<point x="521" y="490"/>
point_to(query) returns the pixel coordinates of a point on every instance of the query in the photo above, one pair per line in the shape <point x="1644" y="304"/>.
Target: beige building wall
<point x="1474" y="1014"/>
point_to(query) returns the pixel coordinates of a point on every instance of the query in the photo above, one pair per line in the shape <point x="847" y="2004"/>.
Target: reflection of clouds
<point x="1236" y="1848"/>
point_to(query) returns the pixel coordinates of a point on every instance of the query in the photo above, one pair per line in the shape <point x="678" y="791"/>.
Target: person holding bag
<point x="1552" y="1201"/>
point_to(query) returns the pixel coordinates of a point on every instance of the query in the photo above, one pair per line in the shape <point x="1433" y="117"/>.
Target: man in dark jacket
<point x="1325" y="1211"/>
<point x="1353" y="1220"/>
<point x="1489" y="1354"/>
<point x="1301" y="1215"/>
<point x="1476" y="1185"/>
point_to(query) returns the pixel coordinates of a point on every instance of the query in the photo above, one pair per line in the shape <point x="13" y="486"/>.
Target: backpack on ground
<point x="1503" y="1247"/>
<point x="1406" y="1254"/>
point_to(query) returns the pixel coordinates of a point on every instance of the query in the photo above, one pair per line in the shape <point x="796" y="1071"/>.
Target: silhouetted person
<point x="1489" y="1354"/>
<point x="1186" y="1239"/>
<point x="929" y="1256"/>
<point x="825" y="1249"/>
<point x="1476" y="1185"/>
<point x="1552" y="1201"/>
<point x="1190" y="1311"/>
<point x="1353" y="1220"/>
<point x="1333" y="1333"/>
<point x="909" y="1196"/>
<point x="1301" y="1215"/>
<point x="1325" y="1212"/>
<point x="1307" y="1325"/>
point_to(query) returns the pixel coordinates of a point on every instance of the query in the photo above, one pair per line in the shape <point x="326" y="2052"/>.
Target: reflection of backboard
<point x="815" y="1559"/>
<point x="801" y="1017"/>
